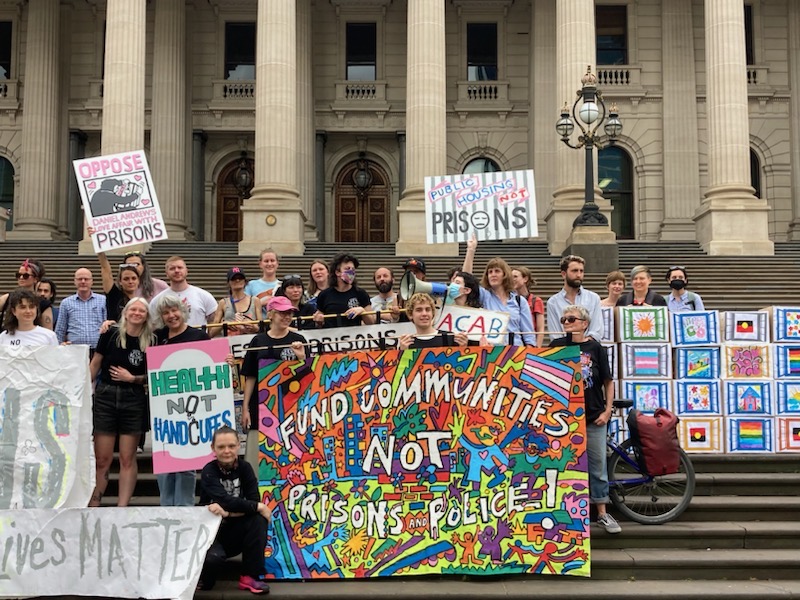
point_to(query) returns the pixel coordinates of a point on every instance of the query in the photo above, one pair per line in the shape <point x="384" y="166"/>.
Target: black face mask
<point x="677" y="284"/>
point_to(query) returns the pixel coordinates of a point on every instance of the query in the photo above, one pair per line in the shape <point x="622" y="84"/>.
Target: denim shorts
<point x="119" y="409"/>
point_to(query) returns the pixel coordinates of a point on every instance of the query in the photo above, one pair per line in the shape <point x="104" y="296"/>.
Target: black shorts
<point x="119" y="409"/>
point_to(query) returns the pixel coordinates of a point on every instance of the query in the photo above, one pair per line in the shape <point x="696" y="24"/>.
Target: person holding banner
<point x="21" y="322"/>
<point x="468" y="293"/>
<point x="278" y="343"/>
<point x="292" y="288"/>
<point x="421" y="310"/>
<point x="176" y="489"/>
<point x="497" y="293"/>
<point x="120" y="399"/>
<point x="317" y="281"/>
<point x="29" y="273"/>
<point x="599" y="397"/>
<point x="238" y="306"/>
<point x="149" y="286"/>
<point x="343" y="297"/>
<point x="118" y="293"/>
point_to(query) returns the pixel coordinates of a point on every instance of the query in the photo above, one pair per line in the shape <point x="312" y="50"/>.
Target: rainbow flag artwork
<point x="787" y="361"/>
<point x="750" y="434"/>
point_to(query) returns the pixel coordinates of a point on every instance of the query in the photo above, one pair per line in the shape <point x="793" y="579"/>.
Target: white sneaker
<point x="609" y="523"/>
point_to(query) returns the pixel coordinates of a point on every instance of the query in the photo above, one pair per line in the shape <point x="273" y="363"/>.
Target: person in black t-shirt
<point x="118" y="292"/>
<point x="343" y="296"/>
<point x="421" y="310"/>
<point x="598" y="396"/>
<point x="120" y="400"/>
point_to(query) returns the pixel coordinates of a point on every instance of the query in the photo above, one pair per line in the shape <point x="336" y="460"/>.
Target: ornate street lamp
<point x="362" y="176"/>
<point x="243" y="177"/>
<point x="589" y="112"/>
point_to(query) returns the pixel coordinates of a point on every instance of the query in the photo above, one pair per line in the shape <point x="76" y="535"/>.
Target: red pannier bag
<point x="656" y="440"/>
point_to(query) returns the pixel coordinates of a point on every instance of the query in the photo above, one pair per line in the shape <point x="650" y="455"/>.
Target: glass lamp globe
<point x="589" y="112"/>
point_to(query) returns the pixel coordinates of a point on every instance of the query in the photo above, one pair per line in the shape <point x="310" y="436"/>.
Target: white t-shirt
<point x="200" y="303"/>
<point x="38" y="336"/>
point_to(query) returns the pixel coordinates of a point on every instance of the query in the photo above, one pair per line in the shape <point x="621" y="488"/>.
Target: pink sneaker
<point x="254" y="585"/>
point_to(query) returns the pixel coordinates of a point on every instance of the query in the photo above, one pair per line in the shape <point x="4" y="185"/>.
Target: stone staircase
<point x="740" y="537"/>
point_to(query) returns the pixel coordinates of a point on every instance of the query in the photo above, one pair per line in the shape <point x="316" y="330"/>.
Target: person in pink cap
<point x="278" y="343"/>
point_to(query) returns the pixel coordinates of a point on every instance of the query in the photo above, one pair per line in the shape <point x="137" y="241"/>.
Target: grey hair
<point x="166" y="301"/>
<point x="640" y="269"/>
<point x="582" y="312"/>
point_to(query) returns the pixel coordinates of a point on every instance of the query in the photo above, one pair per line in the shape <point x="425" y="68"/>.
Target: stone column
<point x="401" y="151"/>
<point x="123" y="82"/>
<point x="198" y="183"/>
<point x="36" y="212"/>
<point x="319" y="184"/>
<point x="731" y="220"/>
<point x="306" y="134"/>
<point x="681" y="167"/>
<point x="273" y="215"/>
<point x="168" y="152"/>
<point x="575" y="50"/>
<point x="794" y="109"/>
<point x="65" y="173"/>
<point x="543" y="142"/>
<point x="77" y="150"/>
<point x="426" y="129"/>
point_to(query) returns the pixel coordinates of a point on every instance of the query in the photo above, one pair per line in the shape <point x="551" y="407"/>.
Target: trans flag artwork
<point x="451" y="460"/>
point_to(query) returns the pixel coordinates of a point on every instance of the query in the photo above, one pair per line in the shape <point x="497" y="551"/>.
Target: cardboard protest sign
<point x="119" y="552"/>
<point x="496" y="206"/>
<point x="451" y="460"/>
<point x="191" y="396"/>
<point x="478" y="323"/>
<point x="119" y="200"/>
<point x="46" y="458"/>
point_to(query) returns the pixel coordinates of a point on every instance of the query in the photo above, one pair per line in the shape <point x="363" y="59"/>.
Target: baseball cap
<point x="281" y="304"/>
<point x="235" y="272"/>
<point x="415" y="263"/>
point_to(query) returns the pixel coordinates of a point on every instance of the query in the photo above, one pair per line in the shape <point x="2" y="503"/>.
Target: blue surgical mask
<point x="453" y="290"/>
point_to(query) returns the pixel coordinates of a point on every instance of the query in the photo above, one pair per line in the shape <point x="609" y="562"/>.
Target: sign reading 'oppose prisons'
<point x="451" y="460"/>
<point x="495" y="206"/>
<point x="119" y="200"/>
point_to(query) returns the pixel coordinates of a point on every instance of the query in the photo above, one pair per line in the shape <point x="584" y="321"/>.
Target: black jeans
<point x="245" y="535"/>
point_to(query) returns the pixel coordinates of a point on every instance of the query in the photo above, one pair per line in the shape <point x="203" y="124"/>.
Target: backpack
<point x="655" y="439"/>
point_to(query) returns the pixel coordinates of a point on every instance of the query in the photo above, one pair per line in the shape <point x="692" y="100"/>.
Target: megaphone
<point x="410" y="285"/>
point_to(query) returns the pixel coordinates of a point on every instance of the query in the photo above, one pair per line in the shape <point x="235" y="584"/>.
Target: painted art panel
<point x="608" y="325"/>
<point x="701" y="434"/>
<point x="646" y="361"/>
<point x="613" y="359"/>
<point x="697" y="328"/>
<point x="697" y="397"/>
<point x="747" y="361"/>
<point x="750" y="326"/>
<point x="457" y="461"/>
<point x="648" y="395"/>
<point x="785" y="324"/>
<point x="788" y="434"/>
<point x="697" y="363"/>
<point x="787" y="361"/>
<point x="749" y="434"/>
<point x="643" y="324"/>
<point x="788" y="397"/>
<point x="748" y="397"/>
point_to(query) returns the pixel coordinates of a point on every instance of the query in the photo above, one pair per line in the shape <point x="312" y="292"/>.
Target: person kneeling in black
<point x="421" y="309"/>
<point x="229" y="488"/>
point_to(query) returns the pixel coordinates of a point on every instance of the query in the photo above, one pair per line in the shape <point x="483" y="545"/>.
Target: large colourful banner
<point x="191" y="396"/>
<point x="386" y="463"/>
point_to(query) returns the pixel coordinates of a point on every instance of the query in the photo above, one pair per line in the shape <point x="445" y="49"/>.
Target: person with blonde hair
<point x="120" y="400"/>
<point x="421" y="310"/>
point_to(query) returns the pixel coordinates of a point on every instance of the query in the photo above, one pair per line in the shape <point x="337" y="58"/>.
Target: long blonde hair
<point x="146" y="337"/>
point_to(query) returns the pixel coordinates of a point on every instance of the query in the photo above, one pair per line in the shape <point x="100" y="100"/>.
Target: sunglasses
<point x="679" y="267"/>
<point x="133" y="253"/>
<point x="290" y="277"/>
<point x="129" y="266"/>
<point x="24" y="276"/>
<point x="570" y="319"/>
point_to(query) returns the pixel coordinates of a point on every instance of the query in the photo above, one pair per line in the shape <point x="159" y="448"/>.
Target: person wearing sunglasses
<point x="119" y="290"/>
<point x="641" y="294"/>
<point x="149" y="286"/>
<point x="598" y="393"/>
<point x="681" y="299"/>
<point x="28" y="276"/>
<point x="292" y="288"/>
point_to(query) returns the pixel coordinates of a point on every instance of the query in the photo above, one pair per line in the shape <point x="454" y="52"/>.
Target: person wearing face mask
<point x="343" y="297"/>
<point x="463" y="290"/>
<point x="681" y="299"/>
<point x="386" y="300"/>
<point x="574" y="294"/>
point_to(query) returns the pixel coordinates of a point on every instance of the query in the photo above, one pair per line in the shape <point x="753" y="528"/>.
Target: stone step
<point x="743" y="508"/>
<point x="747" y="484"/>
<point x="746" y="463"/>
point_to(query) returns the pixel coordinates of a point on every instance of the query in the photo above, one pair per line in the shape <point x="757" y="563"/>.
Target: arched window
<point x="481" y="165"/>
<point x="755" y="173"/>
<point x="6" y="187"/>
<point x="615" y="177"/>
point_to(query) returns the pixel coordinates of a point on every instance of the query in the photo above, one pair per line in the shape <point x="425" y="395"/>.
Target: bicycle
<point x="639" y="496"/>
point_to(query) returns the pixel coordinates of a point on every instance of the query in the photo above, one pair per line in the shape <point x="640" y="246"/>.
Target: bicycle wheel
<point x="645" y="499"/>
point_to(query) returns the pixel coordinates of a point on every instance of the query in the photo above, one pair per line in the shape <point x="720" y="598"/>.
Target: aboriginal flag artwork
<point x="452" y="460"/>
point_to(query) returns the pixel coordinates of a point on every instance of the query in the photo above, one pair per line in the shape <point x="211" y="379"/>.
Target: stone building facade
<point x="259" y="116"/>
